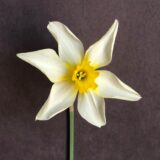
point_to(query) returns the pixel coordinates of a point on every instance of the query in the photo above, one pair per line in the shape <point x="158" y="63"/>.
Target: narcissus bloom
<point x="74" y="72"/>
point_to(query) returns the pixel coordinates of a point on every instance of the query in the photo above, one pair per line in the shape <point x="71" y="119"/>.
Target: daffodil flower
<point x="75" y="71"/>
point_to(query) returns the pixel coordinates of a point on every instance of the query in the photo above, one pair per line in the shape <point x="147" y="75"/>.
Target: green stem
<point x="71" y="133"/>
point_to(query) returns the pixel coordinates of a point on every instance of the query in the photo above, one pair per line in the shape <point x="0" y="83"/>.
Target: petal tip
<point x="39" y="118"/>
<point x="101" y="125"/>
<point x="116" y="24"/>
<point x="51" y="23"/>
<point x="137" y="97"/>
<point x="116" y="21"/>
<point x="19" y="55"/>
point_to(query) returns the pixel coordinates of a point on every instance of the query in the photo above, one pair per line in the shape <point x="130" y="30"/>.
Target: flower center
<point x="84" y="75"/>
<point x="81" y="75"/>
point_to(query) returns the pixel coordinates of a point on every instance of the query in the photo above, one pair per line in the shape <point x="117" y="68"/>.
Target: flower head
<point x="75" y="72"/>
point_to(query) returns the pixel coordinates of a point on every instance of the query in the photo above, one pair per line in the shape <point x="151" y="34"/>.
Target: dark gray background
<point x="133" y="129"/>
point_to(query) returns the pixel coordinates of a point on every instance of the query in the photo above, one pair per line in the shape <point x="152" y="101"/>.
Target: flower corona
<point x="84" y="76"/>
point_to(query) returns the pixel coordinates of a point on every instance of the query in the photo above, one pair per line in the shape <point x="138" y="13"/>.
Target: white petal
<point x="92" y="108"/>
<point x="47" y="61"/>
<point x="70" y="47"/>
<point x="100" y="53"/>
<point x="109" y="86"/>
<point x="62" y="96"/>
